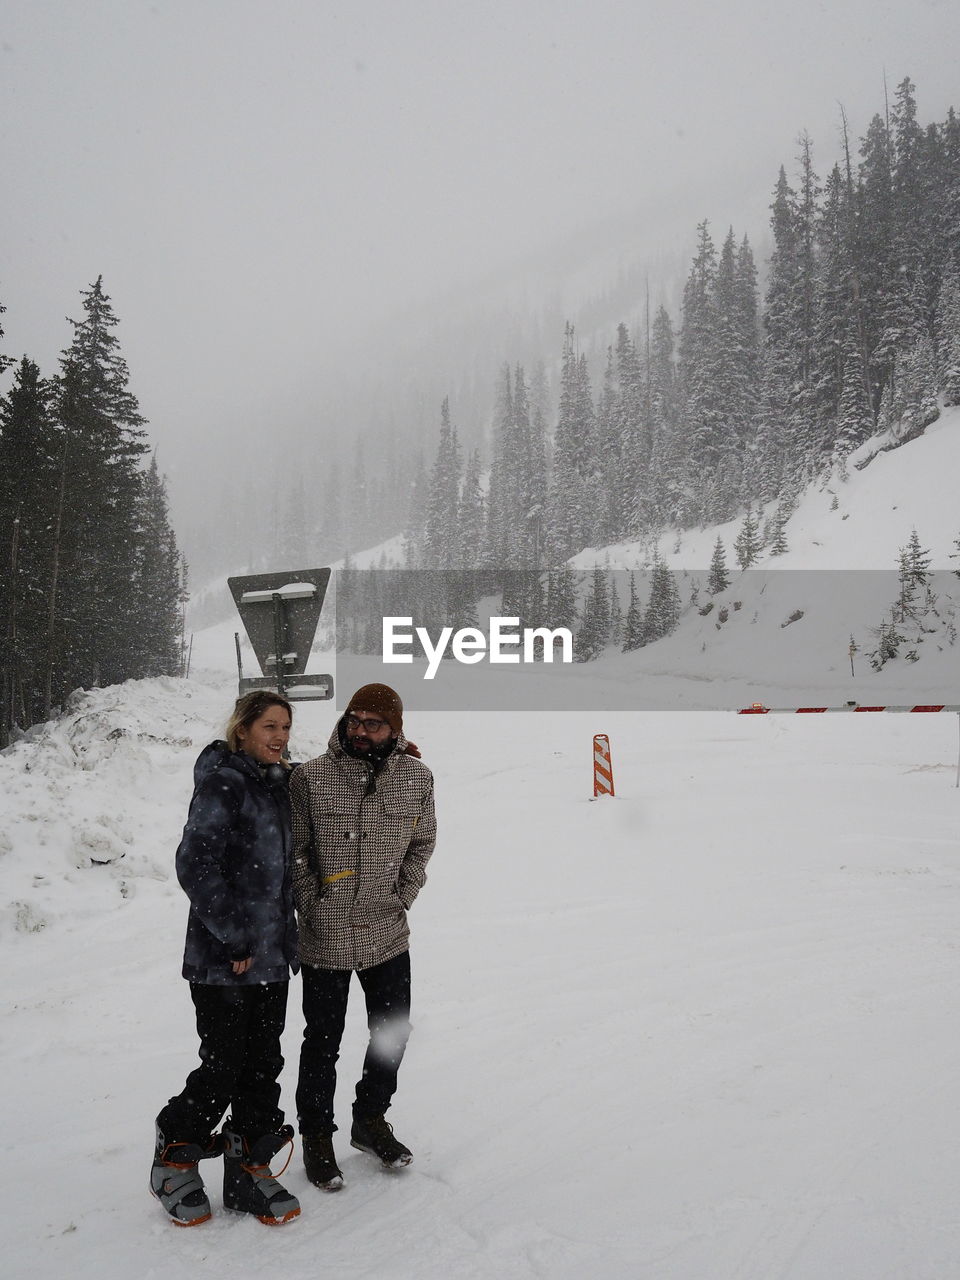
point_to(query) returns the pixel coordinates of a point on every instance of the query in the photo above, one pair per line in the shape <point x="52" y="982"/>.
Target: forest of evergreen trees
<point x="92" y="583"/>
<point x="770" y="373"/>
<point x="750" y="397"/>
<point x="743" y="403"/>
<point x="735" y="409"/>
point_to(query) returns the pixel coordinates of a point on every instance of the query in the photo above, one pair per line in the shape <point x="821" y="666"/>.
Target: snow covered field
<point x="706" y="1030"/>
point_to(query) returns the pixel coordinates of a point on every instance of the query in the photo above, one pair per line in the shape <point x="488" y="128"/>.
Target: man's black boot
<point x="375" y="1134"/>
<point x="320" y="1162"/>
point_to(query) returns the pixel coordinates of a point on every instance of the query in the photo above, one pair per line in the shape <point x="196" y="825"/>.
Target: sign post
<point x="280" y="612"/>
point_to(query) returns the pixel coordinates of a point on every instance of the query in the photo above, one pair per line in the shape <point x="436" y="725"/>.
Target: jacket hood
<point x="211" y="757"/>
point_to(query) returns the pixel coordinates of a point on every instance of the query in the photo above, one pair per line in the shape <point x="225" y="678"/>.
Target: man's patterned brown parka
<point x="361" y="841"/>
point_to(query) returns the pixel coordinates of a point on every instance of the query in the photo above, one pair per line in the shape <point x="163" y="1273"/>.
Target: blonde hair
<point x="250" y="707"/>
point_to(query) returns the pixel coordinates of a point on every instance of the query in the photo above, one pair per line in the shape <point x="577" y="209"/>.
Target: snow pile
<point x="93" y="801"/>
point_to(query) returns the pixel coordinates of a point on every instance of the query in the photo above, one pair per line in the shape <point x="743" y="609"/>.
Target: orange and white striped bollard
<point x="602" y="766"/>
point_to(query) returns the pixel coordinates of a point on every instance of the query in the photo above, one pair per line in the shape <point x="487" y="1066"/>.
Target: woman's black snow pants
<point x="240" y="1064"/>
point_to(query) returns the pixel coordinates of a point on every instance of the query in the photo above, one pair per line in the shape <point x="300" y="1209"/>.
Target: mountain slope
<point x="913" y="486"/>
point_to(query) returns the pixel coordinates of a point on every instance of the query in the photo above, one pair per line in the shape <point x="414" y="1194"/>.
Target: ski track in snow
<point x="703" y="1031"/>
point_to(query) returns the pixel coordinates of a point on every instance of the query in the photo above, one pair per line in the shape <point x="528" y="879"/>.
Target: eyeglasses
<point x="368" y="726"/>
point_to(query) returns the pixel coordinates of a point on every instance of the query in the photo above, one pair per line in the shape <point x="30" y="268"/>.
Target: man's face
<point x="366" y="732"/>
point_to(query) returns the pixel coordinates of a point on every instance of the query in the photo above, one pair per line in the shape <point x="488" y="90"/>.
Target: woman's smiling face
<point x="267" y="737"/>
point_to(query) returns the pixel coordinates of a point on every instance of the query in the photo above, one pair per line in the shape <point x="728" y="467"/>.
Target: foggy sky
<point x="262" y="183"/>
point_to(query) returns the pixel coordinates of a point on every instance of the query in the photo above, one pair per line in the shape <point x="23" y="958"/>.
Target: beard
<point x="362" y="748"/>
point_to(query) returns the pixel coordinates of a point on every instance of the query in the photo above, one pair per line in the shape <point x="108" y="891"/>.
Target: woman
<point x="234" y="863"/>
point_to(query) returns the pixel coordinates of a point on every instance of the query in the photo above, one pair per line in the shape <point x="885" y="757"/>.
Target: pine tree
<point x="917" y="383"/>
<point x="747" y="542"/>
<point x="562" y="597"/>
<point x="790" y="326"/>
<point x="501" y="513"/>
<point x="471" y="516"/>
<point x="587" y="454"/>
<point x="807" y="217"/>
<point x="836" y="342"/>
<point x="184" y="598"/>
<point x="778" y="541"/>
<point x="663" y="608"/>
<point x="92" y="633"/>
<point x="718" y="579"/>
<point x="948" y="335"/>
<point x="5" y="361"/>
<point x="28" y="470"/>
<point x="516" y="494"/>
<point x="888" y="641"/>
<point x="442" y="516"/>
<point x="730" y="375"/>
<point x="633" y="632"/>
<point x="594" y="631"/>
<point x="780" y="315"/>
<point x="157" y="584"/>
<point x="538" y="465"/>
<point x="526" y="488"/>
<point x="609" y="523"/>
<point x="913" y="236"/>
<point x="615" y="630"/>
<point x="948" y="205"/>
<point x="772" y="465"/>
<point x="854" y="421"/>
<point x="702" y="405"/>
<point x="571" y="505"/>
<point x="909" y="401"/>
<point x="630" y="500"/>
<point x="876" y="259"/>
<point x="665" y="478"/>
<point x="779" y="429"/>
<point x="913" y="578"/>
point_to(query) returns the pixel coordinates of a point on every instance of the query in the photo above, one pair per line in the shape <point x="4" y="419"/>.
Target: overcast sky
<point x="257" y="182"/>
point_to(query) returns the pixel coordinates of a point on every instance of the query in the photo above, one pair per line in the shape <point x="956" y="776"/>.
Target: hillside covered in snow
<point x="855" y="519"/>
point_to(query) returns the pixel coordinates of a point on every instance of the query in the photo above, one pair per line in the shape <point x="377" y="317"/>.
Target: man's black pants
<point x="240" y="1063"/>
<point x="386" y="988"/>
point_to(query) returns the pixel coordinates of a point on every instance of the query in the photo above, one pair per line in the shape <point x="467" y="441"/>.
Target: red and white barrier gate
<point x="758" y="709"/>
<point x="602" y="766"/>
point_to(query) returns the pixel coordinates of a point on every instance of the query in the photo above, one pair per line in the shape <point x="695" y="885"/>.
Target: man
<point x="363" y="831"/>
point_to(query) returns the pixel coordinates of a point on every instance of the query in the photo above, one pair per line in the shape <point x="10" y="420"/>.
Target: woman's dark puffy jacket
<point x="234" y="864"/>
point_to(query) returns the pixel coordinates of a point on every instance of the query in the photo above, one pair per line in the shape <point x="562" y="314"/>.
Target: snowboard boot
<point x="175" y="1180"/>
<point x="374" y="1134"/>
<point x="320" y="1162"/>
<point x="248" y="1184"/>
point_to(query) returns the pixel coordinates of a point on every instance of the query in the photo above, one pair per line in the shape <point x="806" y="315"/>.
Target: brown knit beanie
<point x="381" y="700"/>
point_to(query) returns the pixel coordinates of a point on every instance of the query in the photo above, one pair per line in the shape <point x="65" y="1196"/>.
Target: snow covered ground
<point x="705" y="1030"/>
